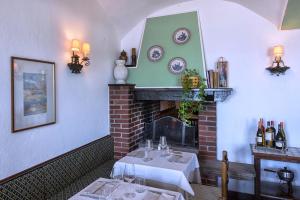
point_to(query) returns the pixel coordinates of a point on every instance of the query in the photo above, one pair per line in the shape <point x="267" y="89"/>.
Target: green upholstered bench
<point x="62" y="177"/>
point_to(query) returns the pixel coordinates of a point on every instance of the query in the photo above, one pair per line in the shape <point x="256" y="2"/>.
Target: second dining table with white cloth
<point x="164" y="169"/>
<point x="117" y="190"/>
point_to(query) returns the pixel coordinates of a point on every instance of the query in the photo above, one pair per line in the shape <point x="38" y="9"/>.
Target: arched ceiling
<point x="272" y="10"/>
<point x="125" y="14"/>
<point x="292" y="16"/>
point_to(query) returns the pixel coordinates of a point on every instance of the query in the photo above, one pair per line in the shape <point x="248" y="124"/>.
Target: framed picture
<point x="177" y="65"/>
<point x="155" y="53"/>
<point x="33" y="93"/>
<point x="181" y="36"/>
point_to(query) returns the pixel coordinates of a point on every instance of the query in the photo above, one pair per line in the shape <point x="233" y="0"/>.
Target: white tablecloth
<point x="120" y="190"/>
<point x="161" y="170"/>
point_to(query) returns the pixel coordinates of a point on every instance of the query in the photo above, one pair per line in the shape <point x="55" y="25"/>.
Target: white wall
<point x="245" y="39"/>
<point x="43" y="30"/>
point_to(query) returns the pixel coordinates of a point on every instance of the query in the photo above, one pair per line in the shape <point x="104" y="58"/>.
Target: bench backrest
<point x="50" y="177"/>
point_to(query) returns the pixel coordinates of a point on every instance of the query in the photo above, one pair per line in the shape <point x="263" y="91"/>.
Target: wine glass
<point x="163" y="142"/>
<point x="129" y="176"/>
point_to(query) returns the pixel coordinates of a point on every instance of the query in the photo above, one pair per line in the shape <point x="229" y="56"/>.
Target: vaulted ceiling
<point x="272" y="10"/>
<point x="292" y="16"/>
<point x="125" y="14"/>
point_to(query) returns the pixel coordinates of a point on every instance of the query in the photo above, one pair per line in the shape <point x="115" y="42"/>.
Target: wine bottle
<point x="274" y="132"/>
<point x="284" y="136"/>
<point x="273" y="128"/>
<point x="269" y="135"/>
<point x="279" y="139"/>
<point x="259" y="135"/>
<point x="262" y="125"/>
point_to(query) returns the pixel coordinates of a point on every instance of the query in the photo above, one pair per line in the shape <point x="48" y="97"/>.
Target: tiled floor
<point x="201" y="193"/>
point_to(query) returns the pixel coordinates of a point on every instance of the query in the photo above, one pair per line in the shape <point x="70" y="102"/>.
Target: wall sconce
<point x="278" y="67"/>
<point x="76" y="65"/>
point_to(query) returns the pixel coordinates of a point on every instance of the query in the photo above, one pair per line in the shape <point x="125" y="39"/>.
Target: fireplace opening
<point x="177" y="132"/>
<point x="168" y="124"/>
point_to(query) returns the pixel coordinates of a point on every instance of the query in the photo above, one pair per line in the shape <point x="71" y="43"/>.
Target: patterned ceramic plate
<point x="177" y="65"/>
<point x="181" y="36"/>
<point x="155" y="53"/>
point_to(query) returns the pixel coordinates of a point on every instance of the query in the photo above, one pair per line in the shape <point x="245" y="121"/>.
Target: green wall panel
<point x="159" y="31"/>
<point x="292" y="16"/>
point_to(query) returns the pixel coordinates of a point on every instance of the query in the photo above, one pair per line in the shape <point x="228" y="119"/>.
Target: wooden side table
<point x="292" y="155"/>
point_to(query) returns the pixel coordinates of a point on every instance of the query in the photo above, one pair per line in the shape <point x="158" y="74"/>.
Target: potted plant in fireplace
<point x="193" y="95"/>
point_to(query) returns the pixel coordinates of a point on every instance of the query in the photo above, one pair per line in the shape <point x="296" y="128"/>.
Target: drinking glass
<point x="129" y="176"/>
<point x="149" y="145"/>
<point x="163" y="142"/>
<point x="169" y="150"/>
<point x="104" y="193"/>
<point x="116" y="173"/>
<point x="147" y="157"/>
<point x="148" y="148"/>
<point x="140" y="183"/>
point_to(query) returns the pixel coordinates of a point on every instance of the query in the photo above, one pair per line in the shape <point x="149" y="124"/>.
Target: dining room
<point x="149" y="100"/>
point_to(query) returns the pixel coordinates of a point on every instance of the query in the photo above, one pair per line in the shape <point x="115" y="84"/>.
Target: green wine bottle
<point x="280" y="138"/>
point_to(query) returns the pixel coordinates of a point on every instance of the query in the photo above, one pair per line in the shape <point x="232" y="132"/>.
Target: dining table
<point x="109" y="189"/>
<point x="175" y="168"/>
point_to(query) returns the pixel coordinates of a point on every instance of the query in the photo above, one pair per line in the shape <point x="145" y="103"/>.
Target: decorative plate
<point x="155" y="53"/>
<point x="177" y="65"/>
<point x="181" y="36"/>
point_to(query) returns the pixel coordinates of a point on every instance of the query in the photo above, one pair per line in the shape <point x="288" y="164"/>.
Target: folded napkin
<point x="151" y="195"/>
<point x="164" y="196"/>
<point x="137" y="154"/>
<point x="182" y="160"/>
<point x="94" y="187"/>
<point x="177" y="152"/>
<point x="178" y="159"/>
<point x="174" y="157"/>
<point x="106" y="189"/>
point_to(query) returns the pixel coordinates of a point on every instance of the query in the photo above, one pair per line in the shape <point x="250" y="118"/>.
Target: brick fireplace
<point x="128" y="116"/>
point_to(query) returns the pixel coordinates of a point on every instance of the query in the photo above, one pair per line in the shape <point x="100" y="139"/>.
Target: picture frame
<point x="33" y="93"/>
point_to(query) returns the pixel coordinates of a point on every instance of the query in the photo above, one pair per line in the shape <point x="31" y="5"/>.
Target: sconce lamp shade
<point x="280" y="67"/>
<point x="86" y="49"/>
<point x="77" y="62"/>
<point x="75" y="45"/>
<point x="278" y="51"/>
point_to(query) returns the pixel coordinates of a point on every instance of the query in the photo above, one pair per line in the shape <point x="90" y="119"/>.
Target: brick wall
<point x="207" y="129"/>
<point x="207" y="122"/>
<point x="127" y="117"/>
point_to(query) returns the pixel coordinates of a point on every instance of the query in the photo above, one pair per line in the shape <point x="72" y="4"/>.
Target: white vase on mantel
<point x="120" y="72"/>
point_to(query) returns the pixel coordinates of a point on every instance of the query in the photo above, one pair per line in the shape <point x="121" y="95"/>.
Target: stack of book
<point x="213" y="79"/>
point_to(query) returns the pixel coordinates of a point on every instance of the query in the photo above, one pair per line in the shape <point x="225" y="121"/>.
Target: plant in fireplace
<point x="193" y="95"/>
